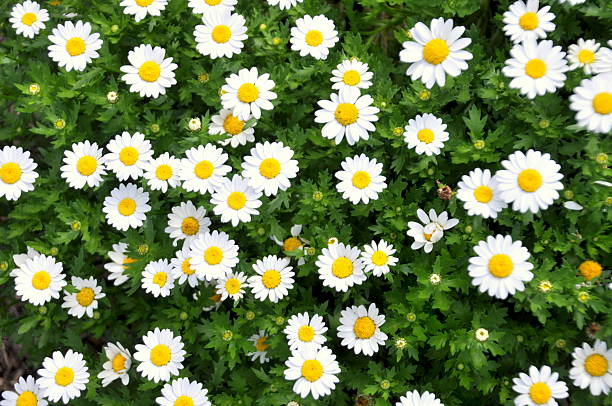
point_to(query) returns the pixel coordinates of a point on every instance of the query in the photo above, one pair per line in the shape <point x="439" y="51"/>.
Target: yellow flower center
<point x="427" y="236"/>
<point x="596" y="365"/>
<point x="149" y="71"/>
<point x="351" y="77"/>
<point x="540" y="393"/>
<point x="536" y="68"/>
<point x="213" y="255"/>
<point x="602" y="103"/>
<point x="483" y="194"/>
<point x="586" y="56"/>
<point x="186" y="267"/>
<point x="271" y="278"/>
<point x="232" y="286"/>
<point x="342" y="267"/>
<point x="529" y="21"/>
<point x="379" y="258"/>
<point x="312" y="370"/>
<point x="306" y="334"/>
<point x="435" y="51"/>
<point x="127" y="206"/>
<point x="183" y="401"/>
<point x="27" y="398"/>
<point x="29" y="18"/>
<point x="291" y="244"/>
<point x="500" y="265"/>
<point x="163" y="172"/>
<point x="314" y="38"/>
<point x="118" y="363"/>
<point x="361" y="179"/>
<point x="85" y="297"/>
<point x="248" y="93"/>
<point x="212" y="2"/>
<point x="10" y="172"/>
<point x="269" y="168"/>
<point x="41" y="280"/>
<point x="221" y="34"/>
<point x="590" y="270"/>
<point x="144" y="3"/>
<point x="75" y="46"/>
<point x="346" y="113"/>
<point x="425" y="135"/>
<point x="160" y="279"/>
<point x="160" y="355"/>
<point x="530" y="180"/>
<point x="86" y="165"/>
<point x="364" y="327"/>
<point x="190" y="226"/>
<point x="128" y="156"/>
<point x="261" y="345"/>
<point x="233" y="125"/>
<point x="64" y="376"/>
<point x="204" y="169"/>
<point x="236" y="200"/>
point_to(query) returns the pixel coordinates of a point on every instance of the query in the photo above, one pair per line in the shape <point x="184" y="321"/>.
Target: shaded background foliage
<point x="486" y="121"/>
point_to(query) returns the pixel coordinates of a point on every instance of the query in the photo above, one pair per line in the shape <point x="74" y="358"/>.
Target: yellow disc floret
<point x="86" y="165"/>
<point x="248" y="93"/>
<point x="204" y="169"/>
<point x="29" y="18"/>
<point x="149" y="71"/>
<point x="64" y="376"/>
<point x="183" y="401"/>
<point x="160" y="279"/>
<point x="128" y="156"/>
<point x="163" y="172"/>
<point x="221" y="34"/>
<point x="436" y="51"/>
<point x="85" y="297"/>
<point x="346" y="113"/>
<point x="160" y="355"/>
<point x="271" y="278"/>
<point x="312" y="370"/>
<point x="361" y="179"/>
<point x="602" y="103"/>
<point x="269" y="168"/>
<point x="540" y="393"/>
<point x="213" y="255"/>
<point x="127" y="206"/>
<point x="529" y="21"/>
<point x="529" y="180"/>
<point x="306" y="334"/>
<point x="236" y="200"/>
<point x="596" y="365"/>
<point x="483" y="194"/>
<point x="75" y="46"/>
<point x="590" y="270"/>
<point x="500" y="265"/>
<point x="314" y="38"/>
<point x="536" y="68"/>
<point x="291" y="244"/>
<point x="232" y="286"/>
<point x="41" y="280"/>
<point x="190" y="226"/>
<point x="342" y="267"/>
<point x="379" y="258"/>
<point x="426" y="135"/>
<point x="233" y="125"/>
<point x="351" y="77"/>
<point x="364" y="327"/>
<point x="27" y="398"/>
<point x="10" y="173"/>
<point x="118" y="363"/>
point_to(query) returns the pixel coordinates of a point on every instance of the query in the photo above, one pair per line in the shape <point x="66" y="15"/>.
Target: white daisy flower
<point x="235" y="201"/>
<point x="149" y="73"/>
<point x="314" y="371"/>
<point x="360" y="329"/>
<point x="126" y="207"/>
<point x="74" y="45"/>
<point x="157" y="278"/>
<point x="347" y="113"/>
<point x="526" y="21"/>
<point x="295" y="242"/>
<point x="63" y="376"/>
<point x="360" y="179"/>
<point x="426" y="134"/>
<point x="16" y="172"/>
<point x="247" y="93"/>
<point x="85" y="164"/>
<point x="162" y="172"/>
<point x="529" y="181"/>
<point x="141" y="8"/>
<point x="203" y="168"/>
<point x="284" y="4"/>
<point x="313" y="36"/>
<point x="85" y="300"/>
<point x="540" y="387"/>
<point x="212" y="6"/>
<point x="128" y="155"/>
<point x="28" y="18"/>
<point x="119" y="263"/>
<point x="584" y="54"/>
<point x="182" y="392"/>
<point x="221" y="35"/>
<point x="231" y="285"/>
<point x="592" y="102"/>
<point x="340" y="267"/>
<point x="117" y="366"/>
<point x="187" y="222"/>
<point x="160" y="356"/>
<point x="592" y="367"/>
<point x="26" y="393"/>
<point x="226" y="123"/>
<point x="259" y="341"/>
<point x="480" y="193"/>
<point x="304" y="332"/>
<point x="431" y="231"/>
<point x="269" y="167"/>
<point x="415" y="398"/>
<point x="435" y="52"/>
<point x="213" y="255"/>
<point x="378" y="257"/>
<point x="501" y="267"/>
<point x="536" y="68"/>
<point x="351" y="73"/>
<point x="274" y="278"/>
<point x="182" y="271"/>
<point x="39" y="280"/>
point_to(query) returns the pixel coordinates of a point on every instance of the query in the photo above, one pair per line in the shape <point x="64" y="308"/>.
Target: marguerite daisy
<point x="536" y="68"/>
<point x="360" y="179"/>
<point x="584" y="54"/>
<point x="284" y="4"/>
<point x="187" y="222"/>
<point x="203" y="168"/>
<point x="347" y="113"/>
<point x="182" y="271"/>
<point x="304" y="332"/>
<point x="128" y="155"/>
<point x="212" y="6"/>
<point x="603" y="64"/>
<point x="231" y="285"/>
<point x="140" y="8"/>
<point x="351" y="73"/>
<point x="39" y="279"/>
<point x="592" y="102"/>
<point x="274" y="278"/>
<point x="360" y="329"/>
<point x="314" y="36"/>
<point x="157" y="278"/>
<point x="63" y="376"/>
<point x="150" y="73"/>
<point x="269" y="167"/>
<point x="525" y="21"/>
<point x="85" y="164"/>
<point x="227" y="124"/>
<point x="340" y="267"/>
<point x="222" y="34"/>
<point x="126" y="207"/>
<point x="501" y="267"/>
<point x="74" y="45"/>
<point x="415" y="398"/>
<point x="16" y="172"/>
<point x="530" y="181"/>
<point x="119" y="263"/>
<point x="28" y="18"/>
<point x="435" y="52"/>
<point x="117" y="366"/>
<point x="160" y="356"/>
<point x="85" y="300"/>
<point x="378" y="257"/>
<point x="213" y="254"/>
<point x="235" y="200"/>
<point x="247" y="93"/>
<point x="259" y="341"/>
<point x="480" y="193"/>
<point x="26" y="393"/>
<point x="540" y="387"/>
<point x="426" y="134"/>
<point x="162" y="172"/>
<point x="314" y="371"/>
<point x="183" y="392"/>
<point x="431" y="231"/>
<point x="592" y="367"/>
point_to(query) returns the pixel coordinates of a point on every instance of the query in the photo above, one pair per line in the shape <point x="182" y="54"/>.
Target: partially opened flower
<point x="431" y="230"/>
<point x="117" y="366"/>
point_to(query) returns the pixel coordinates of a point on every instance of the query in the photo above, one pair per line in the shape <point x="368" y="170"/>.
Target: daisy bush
<point x="306" y="202"/>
